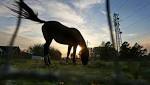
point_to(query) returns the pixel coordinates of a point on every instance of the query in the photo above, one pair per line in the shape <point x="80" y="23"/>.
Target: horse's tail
<point x="26" y="12"/>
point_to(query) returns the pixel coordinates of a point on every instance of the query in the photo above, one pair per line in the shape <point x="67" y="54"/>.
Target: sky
<point x="88" y="16"/>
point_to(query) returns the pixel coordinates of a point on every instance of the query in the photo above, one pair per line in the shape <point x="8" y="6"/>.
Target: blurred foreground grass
<point x="94" y="72"/>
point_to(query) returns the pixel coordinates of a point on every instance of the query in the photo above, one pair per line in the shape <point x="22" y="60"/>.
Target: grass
<point x="90" y="74"/>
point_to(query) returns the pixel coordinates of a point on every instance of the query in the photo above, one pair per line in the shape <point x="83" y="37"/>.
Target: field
<point x="96" y="73"/>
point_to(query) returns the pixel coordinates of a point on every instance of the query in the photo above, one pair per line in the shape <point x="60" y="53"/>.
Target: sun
<point x="78" y="50"/>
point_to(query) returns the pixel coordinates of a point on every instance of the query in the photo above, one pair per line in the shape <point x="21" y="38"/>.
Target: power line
<point x="137" y="21"/>
<point x="114" y="4"/>
<point x="134" y="13"/>
<point x="119" y="5"/>
<point x="123" y="5"/>
<point x="137" y="10"/>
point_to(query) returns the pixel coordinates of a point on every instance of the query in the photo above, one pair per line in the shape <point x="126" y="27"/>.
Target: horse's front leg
<point x="68" y="53"/>
<point x="74" y="54"/>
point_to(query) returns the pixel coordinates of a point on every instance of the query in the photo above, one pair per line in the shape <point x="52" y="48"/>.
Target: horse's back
<point x="62" y="34"/>
<point x="54" y="25"/>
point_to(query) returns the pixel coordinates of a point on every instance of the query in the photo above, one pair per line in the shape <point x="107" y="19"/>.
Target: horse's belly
<point x="65" y="40"/>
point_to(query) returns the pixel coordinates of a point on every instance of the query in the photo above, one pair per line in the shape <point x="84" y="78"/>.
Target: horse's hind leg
<point x="48" y="40"/>
<point x="74" y="54"/>
<point x="68" y="53"/>
<point x="46" y="51"/>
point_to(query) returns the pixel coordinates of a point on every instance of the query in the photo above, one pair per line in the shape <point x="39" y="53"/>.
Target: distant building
<point x="26" y="55"/>
<point x="9" y="50"/>
<point x="96" y="51"/>
<point x="90" y="52"/>
<point x="103" y="52"/>
<point x="34" y="57"/>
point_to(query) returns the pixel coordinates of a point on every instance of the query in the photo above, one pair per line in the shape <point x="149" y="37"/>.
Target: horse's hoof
<point x="47" y="64"/>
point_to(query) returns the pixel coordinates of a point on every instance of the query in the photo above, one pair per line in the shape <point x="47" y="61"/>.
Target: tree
<point x="38" y="49"/>
<point x="125" y="50"/>
<point x="135" y="52"/>
<point x="138" y="51"/>
<point x="109" y="51"/>
<point x="108" y="45"/>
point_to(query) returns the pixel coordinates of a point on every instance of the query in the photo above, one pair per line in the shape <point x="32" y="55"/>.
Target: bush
<point x="38" y="50"/>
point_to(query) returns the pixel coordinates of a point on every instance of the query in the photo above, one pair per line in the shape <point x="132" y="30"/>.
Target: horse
<point x="57" y="31"/>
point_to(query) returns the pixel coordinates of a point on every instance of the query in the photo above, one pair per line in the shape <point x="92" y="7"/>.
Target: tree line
<point x="105" y="52"/>
<point x="126" y="52"/>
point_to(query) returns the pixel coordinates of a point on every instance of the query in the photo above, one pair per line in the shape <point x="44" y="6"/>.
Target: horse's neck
<point x="83" y="45"/>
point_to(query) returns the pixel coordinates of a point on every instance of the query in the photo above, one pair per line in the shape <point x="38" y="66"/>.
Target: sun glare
<point x="78" y="50"/>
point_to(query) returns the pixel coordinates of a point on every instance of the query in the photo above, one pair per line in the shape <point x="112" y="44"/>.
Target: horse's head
<point x="84" y="55"/>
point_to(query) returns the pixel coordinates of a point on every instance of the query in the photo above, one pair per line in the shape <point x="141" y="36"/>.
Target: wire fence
<point x="9" y="73"/>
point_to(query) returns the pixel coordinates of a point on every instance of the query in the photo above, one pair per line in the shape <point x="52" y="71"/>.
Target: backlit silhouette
<point x="57" y="31"/>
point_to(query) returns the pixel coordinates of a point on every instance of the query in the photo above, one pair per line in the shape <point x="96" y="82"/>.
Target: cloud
<point x="82" y="4"/>
<point x="103" y="12"/>
<point x="95" y="36"/>
<point x="130" y="35"/>
<point x="64" y="12"/>
<point x="20" y="41"/>
<point x="27" y="29"/>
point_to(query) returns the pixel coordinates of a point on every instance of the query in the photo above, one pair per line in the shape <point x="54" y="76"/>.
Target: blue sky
<point x="88" y="16"/>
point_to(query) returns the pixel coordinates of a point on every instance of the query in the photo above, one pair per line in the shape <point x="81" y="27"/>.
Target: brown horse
<point x="57" y="31"/>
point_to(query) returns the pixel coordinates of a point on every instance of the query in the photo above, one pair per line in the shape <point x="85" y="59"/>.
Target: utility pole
<point x="116" y="59"/>
<point x="117" y="31"/>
